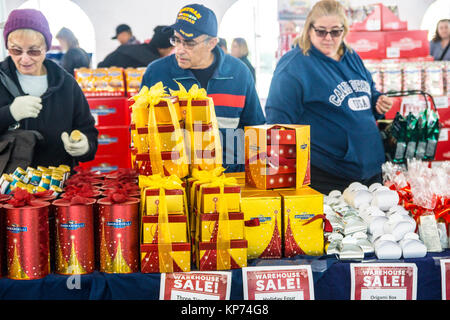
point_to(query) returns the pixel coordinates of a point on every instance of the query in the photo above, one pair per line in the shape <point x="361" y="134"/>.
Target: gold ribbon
<point x="201" y="177"/>
<point x="158" y="181"/>
<point x="144" y="114"/>
<point x="196" y="93"/>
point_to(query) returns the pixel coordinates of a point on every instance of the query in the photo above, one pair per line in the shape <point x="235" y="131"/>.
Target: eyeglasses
<point x="188" y="44"/>
<point x="30" y="52"/>
<point x="322" y="33"/>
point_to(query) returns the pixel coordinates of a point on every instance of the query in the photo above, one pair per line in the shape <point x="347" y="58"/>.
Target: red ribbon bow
<point x="117" y="195"/>
<point x="21" y="198"/>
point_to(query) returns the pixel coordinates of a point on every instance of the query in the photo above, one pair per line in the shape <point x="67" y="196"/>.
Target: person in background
<point x="223" y="44"/>
<point x="141" y="55"/>
<point x="439" y="45"/>
<point x="239" y="49"/>
<point x="323" y="83"/>
<point x="124" y="35"/>
<point x="51" y="101"/>
<point x="198" y="60"/>
<point x="74" y="56"/>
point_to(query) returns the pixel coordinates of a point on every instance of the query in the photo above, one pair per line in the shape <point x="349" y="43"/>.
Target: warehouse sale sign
<point x="445" y="278"/>
<point x="205" y="285"/>
<point x="383" y="281"/>
<point x="278" y="283"/>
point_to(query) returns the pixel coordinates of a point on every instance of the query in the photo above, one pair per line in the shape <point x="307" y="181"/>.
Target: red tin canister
<point x="118" y="235"/>
<point x="3" y="199"/>
<point x="27" y="241"/>
<point x="74" y="237"/>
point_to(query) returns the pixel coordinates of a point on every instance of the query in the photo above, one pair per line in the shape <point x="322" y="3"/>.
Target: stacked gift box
<point x="165" y="244"/>
<point x="218" y="223"/>
<point x="202" y="132"/>
<point x="156" y="133"/>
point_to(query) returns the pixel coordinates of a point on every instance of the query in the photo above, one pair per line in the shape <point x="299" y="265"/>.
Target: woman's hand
<point x="384" y="104"/>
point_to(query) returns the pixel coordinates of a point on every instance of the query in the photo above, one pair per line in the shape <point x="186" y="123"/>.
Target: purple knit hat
<point x="27" y="19"/>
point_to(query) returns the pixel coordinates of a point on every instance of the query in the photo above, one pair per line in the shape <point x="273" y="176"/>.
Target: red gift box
<point x="112" y="111"/>
<point x="108" y="163"/>
<point x="407" y="44"/>
<point x="74" y="225"/>
<point x="27" y="240"/>
<point x="118" y="235"/>
<point x="443" y="145"/>
<point x="381" y="18"/>
<point x="369" y="45"/>
<point x="113" y="140"/>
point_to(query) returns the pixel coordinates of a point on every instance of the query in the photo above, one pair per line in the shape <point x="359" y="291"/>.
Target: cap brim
<point x="114" y="38"/>
<point x="186" y="31"/>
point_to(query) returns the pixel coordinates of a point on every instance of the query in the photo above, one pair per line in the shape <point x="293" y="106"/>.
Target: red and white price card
<point x="203" y="285"/>
<point x="383" y="281"/>
<point x="445" y="278"/>
<point x="278" y="283"/>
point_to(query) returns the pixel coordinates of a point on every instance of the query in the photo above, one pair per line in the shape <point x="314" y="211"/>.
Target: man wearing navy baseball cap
<point x="197" y="59"/>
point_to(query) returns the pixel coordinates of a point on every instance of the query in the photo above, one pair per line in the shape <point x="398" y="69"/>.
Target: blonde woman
<point x="324" y="84"/>
<point x="50" y="100"/>
<point x="239" y="49"/>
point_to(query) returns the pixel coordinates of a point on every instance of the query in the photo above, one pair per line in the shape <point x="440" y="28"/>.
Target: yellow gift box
<point x="209" y="198"/>
<point x="175" y="201"/>
<point x="177" y="225"/>
<point x="166" y="136"/>
<point x="172" y="164"/>
<point x="263" y="224"/>
<point x="162" y="112"/>
<point x="206" y="259"/>
<point x="201" y="110"/>
<point x="263" y="169"/>
<point x="207" y="226"/>
<point x="303" y="222"/>
<point x="180" y="258"/>
<point x="239" y="176"/>
<point x="202" y="137"/>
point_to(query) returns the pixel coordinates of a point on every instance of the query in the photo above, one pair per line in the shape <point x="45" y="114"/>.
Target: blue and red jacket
<point x="232" y="89"/>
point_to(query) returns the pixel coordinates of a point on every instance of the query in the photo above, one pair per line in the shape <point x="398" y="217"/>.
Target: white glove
<point x="75" y="149"/>
<point x="25" y="107"/>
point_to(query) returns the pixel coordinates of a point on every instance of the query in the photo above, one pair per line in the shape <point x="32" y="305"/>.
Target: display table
<point x="331" y="281"/>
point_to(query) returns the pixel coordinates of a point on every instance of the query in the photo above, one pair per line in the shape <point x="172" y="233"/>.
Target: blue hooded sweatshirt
<point x="232" y="89"/>
<point x="337" y="99"/>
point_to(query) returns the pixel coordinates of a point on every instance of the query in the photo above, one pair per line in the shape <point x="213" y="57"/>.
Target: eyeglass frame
<point x="316" y="30"/>
<point x="190" y="44"/>
<point x="10" y="50"/>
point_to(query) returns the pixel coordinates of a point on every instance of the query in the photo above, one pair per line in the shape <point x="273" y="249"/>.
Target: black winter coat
<point x="75" y="58"/>
<point x="131" y="56"/>
<point x="64" y="108"/>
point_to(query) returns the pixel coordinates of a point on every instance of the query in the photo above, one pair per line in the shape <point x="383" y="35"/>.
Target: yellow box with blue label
<point x="263" y="223"/>
<point x="303" y="222"/>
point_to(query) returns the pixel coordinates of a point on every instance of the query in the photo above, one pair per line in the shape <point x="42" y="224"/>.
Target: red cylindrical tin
<point x="74" y="237"/>
<point x="118" y="234"/>
<point x="27" y="241"/>
<point x="3" y="199"/>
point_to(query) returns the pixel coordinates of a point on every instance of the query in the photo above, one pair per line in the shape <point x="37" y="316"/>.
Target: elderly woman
<point x="74" y="56"/>
<point x="51" y="101"/>
<point x="324" y="84"/>
<point x="439" y="45"/>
